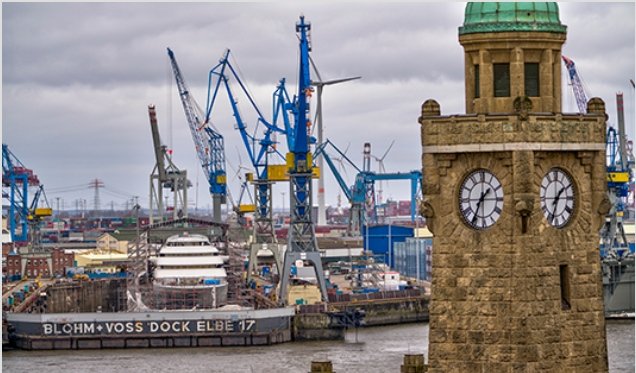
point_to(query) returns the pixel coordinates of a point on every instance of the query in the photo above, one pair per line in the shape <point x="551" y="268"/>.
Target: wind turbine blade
<point x="239" y="156"/>
<point x="387" y="151"/>
<point x="313" y="64"/>
<point x="336" y="81"/>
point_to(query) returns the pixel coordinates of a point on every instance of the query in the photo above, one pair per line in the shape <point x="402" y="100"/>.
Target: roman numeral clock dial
<point x="557" y="197"/>
<point x="481" y="199"/>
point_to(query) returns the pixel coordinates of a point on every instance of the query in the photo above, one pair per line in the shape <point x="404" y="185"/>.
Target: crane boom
<point x="577" y="85"/>
<point x="211" y="153"/>
<point x="156" y="141"/>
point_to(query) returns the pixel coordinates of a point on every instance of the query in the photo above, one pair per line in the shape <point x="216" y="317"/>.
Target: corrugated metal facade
<point x="413" y="258"/>
<point x="381" y="239"/>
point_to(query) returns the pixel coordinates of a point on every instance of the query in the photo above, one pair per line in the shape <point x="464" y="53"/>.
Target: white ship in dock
<point x="189" y="274"/>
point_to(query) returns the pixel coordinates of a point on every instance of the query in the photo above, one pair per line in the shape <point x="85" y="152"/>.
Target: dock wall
<point x="150" y="329"/>
<point x="388" y="311"/>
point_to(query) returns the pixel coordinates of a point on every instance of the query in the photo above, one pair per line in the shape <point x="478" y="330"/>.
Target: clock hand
<point x="555" y="203"/>
<point x="481" y="199"/>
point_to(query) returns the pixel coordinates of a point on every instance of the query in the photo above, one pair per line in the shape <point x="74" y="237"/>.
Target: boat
<point x="189" y="274"/>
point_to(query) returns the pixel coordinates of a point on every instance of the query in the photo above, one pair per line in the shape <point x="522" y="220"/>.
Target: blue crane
<point x="258" y="149"/>
<point x="302" y="243"/>
<point x="619" y="175"/>
<point x="358" y="193"/>
<point x="16" y="180"/>
<point x="211" y="153"/>
<point x="577" y="84"/>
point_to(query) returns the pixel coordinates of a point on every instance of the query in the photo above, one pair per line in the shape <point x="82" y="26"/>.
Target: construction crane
<point x="301" y="244"/>
<point x="258" y="149"/>
<point x="577" y="84"/>
<point x="210" y="151"/>
<point x="36" y="213"/>
<point x="358" y="193"/>
<point x="166" y="175"/>
<point x="619" y="176"/>
<point x="16" y="180"/>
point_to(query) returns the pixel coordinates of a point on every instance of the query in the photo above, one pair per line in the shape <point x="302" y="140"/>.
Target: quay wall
<point x="388" y="311"/>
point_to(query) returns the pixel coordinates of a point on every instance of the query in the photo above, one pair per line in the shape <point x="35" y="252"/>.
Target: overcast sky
<point x="77" y="79"/>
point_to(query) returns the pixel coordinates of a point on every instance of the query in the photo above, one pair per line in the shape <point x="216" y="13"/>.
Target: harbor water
<point x="377" y="349"/>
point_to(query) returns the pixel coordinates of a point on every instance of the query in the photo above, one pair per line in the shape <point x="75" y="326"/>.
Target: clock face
<point x="557" y="197"/>
<point x="481" y="199"/>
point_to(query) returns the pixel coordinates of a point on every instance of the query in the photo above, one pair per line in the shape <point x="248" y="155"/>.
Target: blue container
<point x="265" y="270"/>
<point x="211" y="281"/>
<point x="294" y="271"/>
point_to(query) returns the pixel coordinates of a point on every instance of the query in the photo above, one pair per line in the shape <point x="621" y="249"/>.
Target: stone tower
<point x="515" y="196"/>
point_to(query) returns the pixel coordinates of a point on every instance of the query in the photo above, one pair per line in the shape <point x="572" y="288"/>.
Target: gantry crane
<point x="166" y="175"/>
<point x="16" y="180"/>
<point x="210" y="151"/>
<point x="36" y="214"/>
<point x="258" y="148"/>
<point x="619" y="176"/>
<point x="301" y="244"/>
<point x="362" y="209"/>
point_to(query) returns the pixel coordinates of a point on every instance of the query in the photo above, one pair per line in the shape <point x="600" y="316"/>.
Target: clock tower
<point x="515" y="196"/>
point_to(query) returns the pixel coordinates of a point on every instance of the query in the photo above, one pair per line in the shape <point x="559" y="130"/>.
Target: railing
<point x="397" y="294"/>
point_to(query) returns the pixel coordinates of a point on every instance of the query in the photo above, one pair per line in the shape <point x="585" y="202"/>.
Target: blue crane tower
<point x="258" y="149"/>
<point x="619" y="176"/>
<point x="211" y="153"/>
<point x="302" y="244"/>
<point x="16" y="179"/>
<point x="22" y="216"/>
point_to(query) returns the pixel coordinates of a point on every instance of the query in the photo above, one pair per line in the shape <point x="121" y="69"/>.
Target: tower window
<point x="476" y="81"/>
<point x="564" y="277"/>
<point x="501" y="79"/>
<point x="531" y="79"/>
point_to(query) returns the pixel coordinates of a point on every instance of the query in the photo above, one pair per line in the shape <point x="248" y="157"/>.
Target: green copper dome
<point x="506" y="17"/>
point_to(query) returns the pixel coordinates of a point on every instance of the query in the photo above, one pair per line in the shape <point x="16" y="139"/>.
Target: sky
<point x="77" y="79"/>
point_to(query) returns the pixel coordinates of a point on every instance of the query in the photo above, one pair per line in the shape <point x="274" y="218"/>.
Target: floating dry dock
<point x="60" y="331"/>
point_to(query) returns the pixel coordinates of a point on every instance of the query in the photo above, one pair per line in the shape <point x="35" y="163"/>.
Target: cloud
<point x="77" y="78"/>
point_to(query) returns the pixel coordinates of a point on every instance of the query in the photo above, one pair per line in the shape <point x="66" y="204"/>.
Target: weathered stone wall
<point x="496" y="293"/>
<point x="515" y="48"/>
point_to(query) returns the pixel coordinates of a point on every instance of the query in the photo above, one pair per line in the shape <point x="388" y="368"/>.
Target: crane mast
<point x="302" y="244"/>
<point x="211" y="153"/>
